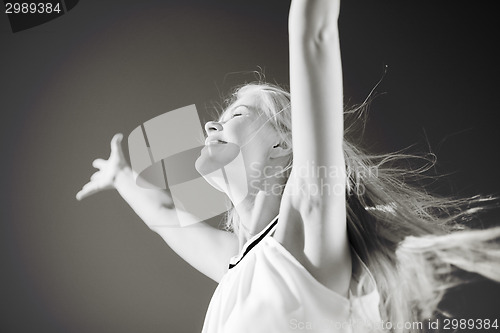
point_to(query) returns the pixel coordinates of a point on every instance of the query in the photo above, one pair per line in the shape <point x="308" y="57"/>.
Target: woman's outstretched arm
<point x="317" y="183"/>
<point x="206" y="248"/>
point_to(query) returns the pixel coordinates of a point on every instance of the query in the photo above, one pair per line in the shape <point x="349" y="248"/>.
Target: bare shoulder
<point x="292" y="231"/>
<point x="301" y="231"/>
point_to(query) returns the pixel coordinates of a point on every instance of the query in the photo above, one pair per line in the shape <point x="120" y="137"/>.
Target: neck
<point x="255" y="214"/>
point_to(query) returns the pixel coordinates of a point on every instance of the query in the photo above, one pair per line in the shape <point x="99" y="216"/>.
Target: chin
<point x="223" y="168"/>
<point x="216" y="157"/>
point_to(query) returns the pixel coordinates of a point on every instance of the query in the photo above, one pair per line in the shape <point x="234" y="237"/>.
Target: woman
<point x="319" y="242"/>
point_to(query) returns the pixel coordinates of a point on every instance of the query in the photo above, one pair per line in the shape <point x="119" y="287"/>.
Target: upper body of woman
<point x="333" y="248"/>
<point x="315" y="219"/>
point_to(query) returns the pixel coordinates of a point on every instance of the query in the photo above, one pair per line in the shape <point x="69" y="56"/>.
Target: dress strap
<point x="254" y="241"/>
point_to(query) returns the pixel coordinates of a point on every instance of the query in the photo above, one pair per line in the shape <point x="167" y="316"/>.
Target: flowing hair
<point x="413" y="242"/>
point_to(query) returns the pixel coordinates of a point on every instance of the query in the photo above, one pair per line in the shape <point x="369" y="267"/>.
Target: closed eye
<point x="234" y="113"/>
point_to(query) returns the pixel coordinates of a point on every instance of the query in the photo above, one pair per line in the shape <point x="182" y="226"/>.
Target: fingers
<point x="87" y="190"/>
<point x="94" y="176"/>
<point x="98" y="163"/>
<point x="116" y="142"/>
<point x="97" y="184"/>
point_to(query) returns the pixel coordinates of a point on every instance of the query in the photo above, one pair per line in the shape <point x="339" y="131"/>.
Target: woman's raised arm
<point x="317" y="183"/>
<point x="316" y="86"/>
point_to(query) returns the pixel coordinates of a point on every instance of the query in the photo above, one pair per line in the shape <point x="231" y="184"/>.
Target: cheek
<point x="254" y="136"/>
<point x="238" y="133"/>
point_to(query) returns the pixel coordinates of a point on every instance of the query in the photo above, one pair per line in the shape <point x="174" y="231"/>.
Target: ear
<point x="280" y="149"/>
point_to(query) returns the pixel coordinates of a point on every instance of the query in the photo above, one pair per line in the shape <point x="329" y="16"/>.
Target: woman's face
<point x="243" y="132"/>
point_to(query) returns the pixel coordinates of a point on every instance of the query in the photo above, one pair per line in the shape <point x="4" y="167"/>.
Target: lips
<point x="212" y="141"/>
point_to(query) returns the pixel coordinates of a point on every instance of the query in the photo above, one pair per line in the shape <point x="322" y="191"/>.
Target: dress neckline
<point x="349" y="298"/>
<point x="253" y="241"/>
<point x="268" y="230"/>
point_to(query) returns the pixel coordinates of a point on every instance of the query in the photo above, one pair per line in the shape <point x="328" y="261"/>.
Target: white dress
<point x="266" y="290"/>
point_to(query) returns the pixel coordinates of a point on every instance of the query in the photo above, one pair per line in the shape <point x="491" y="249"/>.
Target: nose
<point x="213" y="126"/>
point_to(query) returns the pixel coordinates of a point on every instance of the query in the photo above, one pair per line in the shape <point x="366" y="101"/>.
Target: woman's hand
<point x="105" y="177"/>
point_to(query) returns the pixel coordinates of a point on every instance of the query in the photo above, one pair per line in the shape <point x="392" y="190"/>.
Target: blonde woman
<point x="322" y="240"/>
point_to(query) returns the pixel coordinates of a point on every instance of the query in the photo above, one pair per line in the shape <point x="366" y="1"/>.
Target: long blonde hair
<point x="412" y="241"/>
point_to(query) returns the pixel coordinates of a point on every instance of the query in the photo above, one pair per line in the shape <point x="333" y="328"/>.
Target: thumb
<point x="116" y="142"/>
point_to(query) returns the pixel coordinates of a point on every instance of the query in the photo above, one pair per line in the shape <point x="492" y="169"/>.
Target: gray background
<point x="107" y="66"/>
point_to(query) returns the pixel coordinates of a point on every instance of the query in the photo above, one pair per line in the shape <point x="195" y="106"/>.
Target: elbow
<point x="315" y="22"/>
<point x="324" y="36"/>
<point x="315" y="35"/>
